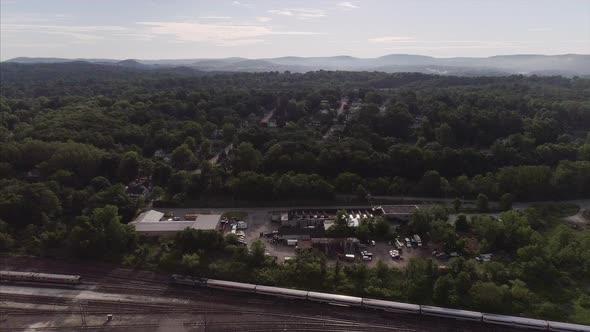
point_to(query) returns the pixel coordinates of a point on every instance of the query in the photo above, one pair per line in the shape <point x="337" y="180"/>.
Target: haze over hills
<point x="529" y="64"/>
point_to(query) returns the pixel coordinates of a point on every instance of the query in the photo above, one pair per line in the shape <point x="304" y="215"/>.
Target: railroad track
<point x="110" y="279"/>
<point x="236" y="326"/>
<point x="36" y="299"/>
<point x="102" y="307"/>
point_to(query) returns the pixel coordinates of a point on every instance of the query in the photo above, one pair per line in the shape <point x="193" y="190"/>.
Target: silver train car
<point x="399" y="307"/>
<point x="16" y="276"/>
<point x="451" y="313"/>
<point x="188" y="280"/>
<point x="567" y="327"/>
<point x="389" y="306"/>
<point x="335" y="299"/>
<point x="232" y="286"/>
<point x="528" y="323"/>
<point x="281" y="292"/>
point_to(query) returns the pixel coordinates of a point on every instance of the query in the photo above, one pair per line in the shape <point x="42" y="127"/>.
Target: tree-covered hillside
<point x="77" y="140"/>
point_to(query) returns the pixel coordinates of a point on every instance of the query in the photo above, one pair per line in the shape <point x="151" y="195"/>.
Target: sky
<point x="180" y="29"/>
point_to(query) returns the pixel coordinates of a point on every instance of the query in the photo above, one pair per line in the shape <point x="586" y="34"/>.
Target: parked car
<point x="408" y="243"/>
<point x="366" y="253"/>
<point x="373" y="243"/>
<point x="484" y="257"/>
<point x="367" y="258"/>
<point x="418" y="240"/>
<point x="394" y="254"/>
<point x="398" y="244"/>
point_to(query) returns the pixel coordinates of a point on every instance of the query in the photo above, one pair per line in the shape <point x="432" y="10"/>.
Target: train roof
<point x="514" y="320"/>
<point x="230" y="284"/>
<point x="15" y="273"/>
<point x="335" y="297"/>
<point x="57" y="276"/>
<point x="449" y="311"/>
<point x="559" y="326"/>
<point x="391" y="304"/>
<point x="281" y="291"/>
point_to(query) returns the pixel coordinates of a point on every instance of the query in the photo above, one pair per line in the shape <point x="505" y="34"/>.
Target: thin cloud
<point x="347" y="5"/>
<point x="240" y="42"/>
<point x="539" y="29"/>
<point x="35" y="18"/>
<point x="82" y="33"/>
<point x="389" y="39"/>
<point x="263" y="19"/>
<point x="299" y="13"/>
<point x="242" y="4"/>
<point x="462" y="44"/>
<point x="215" y="17"/>
<point x="219" y="34"/>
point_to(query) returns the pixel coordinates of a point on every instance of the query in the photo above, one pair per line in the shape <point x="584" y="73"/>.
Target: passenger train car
<point x="451" y="313"/>
<point x="61" y="279"/>
<point x="390" y="306"/>
<point x="232" y="286"/>
<point x="187" y="280"/>
<point x="529" y="323"/>
<point x="404" y="308"/>
<point x="282" y="292"/>
<point x="336" y="299"/>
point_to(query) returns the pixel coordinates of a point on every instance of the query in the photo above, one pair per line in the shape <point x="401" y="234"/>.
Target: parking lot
<point x="259" y="221"/>
<point x="381" y="252"/>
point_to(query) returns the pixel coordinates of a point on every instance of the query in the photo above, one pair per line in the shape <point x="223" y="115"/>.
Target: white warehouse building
<point x="153" y="223"/>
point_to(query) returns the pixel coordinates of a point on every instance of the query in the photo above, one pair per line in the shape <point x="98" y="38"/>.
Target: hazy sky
<point x="156" y="29"/>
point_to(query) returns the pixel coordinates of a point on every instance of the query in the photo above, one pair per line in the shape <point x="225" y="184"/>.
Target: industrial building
<point x="301" y="229"/>
<point x="153" y="223"/>
<point x="401" y="213"/>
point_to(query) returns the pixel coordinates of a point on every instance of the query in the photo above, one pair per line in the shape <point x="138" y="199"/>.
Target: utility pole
<point x="82" y="317"/>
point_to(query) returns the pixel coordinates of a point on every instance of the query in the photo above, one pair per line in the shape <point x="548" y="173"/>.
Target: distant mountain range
<point x="567" y="64"/>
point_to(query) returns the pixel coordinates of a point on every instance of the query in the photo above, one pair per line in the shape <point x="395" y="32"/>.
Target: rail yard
<point x="111" y="298"/>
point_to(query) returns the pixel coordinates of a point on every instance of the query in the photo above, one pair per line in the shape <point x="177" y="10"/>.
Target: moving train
<point x="336" y="299"/>
<point x="390" y="306"/>
<point x="60" y="279"/>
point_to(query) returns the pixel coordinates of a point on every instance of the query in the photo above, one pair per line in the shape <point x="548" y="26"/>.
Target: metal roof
<point x="207" y="221"/>
<point x="399" y="209"/>
<point x="162" y="226"/>
<point x="149" y="216"/>
<point x="149" y="221"/>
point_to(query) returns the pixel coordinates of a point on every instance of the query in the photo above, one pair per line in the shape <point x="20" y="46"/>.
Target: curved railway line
<point x="104" y="279"/>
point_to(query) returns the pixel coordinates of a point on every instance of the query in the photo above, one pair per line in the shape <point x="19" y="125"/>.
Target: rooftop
<point x="399" y="209"/>
<point x="149" y="216"/>
<point x="151" y="221"/>
<point x="206" y="221"/>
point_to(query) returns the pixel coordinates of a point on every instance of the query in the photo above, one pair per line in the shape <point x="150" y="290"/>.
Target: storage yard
<point x="284" y="230"/>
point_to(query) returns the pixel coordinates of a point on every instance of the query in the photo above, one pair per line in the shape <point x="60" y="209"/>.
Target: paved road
<point x="421" y="201"/>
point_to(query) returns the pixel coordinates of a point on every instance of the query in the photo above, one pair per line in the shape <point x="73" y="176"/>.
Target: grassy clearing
<point x="558" y="210"/>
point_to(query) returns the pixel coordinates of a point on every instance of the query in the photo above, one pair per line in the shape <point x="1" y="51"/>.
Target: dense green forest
<point x="74" y="136"/>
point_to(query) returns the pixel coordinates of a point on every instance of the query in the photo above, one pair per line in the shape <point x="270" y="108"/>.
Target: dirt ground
<point x="579" y="218"/>
<point x="381" y="252"/>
